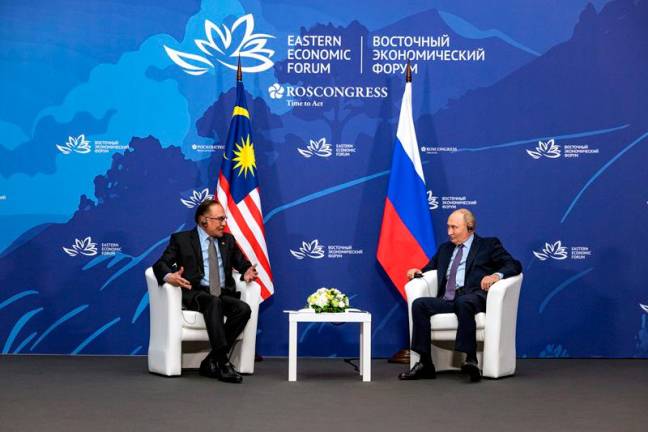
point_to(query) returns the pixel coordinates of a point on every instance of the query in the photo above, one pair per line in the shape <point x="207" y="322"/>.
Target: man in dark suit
<point x="200" y="261"/>
<point x="466" y="267"/>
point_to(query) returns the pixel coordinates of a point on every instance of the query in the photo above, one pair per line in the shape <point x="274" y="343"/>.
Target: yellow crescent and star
<point x="244" y="152"/>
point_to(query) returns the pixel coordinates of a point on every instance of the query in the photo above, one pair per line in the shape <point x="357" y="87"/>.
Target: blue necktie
<point x="451" y="285"/>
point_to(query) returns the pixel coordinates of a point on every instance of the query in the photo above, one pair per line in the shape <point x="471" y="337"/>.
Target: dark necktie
<point x="214" y="273"/>
<point x="451" y="285"/>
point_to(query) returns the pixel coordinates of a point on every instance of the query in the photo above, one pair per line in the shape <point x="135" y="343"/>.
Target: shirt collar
<point x="202" y="234"/>
<point x="468" y="242"/>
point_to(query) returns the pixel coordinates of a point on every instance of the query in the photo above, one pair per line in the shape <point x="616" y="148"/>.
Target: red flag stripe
<point x="255" y="211"/>
<point x="246" y="233"/>
<point x="395" y="240"/>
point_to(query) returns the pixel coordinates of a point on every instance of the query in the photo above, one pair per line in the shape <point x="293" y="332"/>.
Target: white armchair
<point x="495" y="328"/>
<point x="179" y="338"/>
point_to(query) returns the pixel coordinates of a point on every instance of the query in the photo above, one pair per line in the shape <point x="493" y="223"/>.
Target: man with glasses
<point x="200" y="261"/>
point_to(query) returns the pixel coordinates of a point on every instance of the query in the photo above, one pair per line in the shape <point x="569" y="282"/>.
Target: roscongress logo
<point x="276" y="91"/>
<point x="311" y="249"/>
<point x="83" y="247"/>
<point x="225" y="46"/>
<point x="75" y="145"/>
<point x="552" y="250"/>
<point x="196" y="198"/>
<point x="433" y="201"/>
<point x="316" y="148"/>
<point x="547" y="149"/>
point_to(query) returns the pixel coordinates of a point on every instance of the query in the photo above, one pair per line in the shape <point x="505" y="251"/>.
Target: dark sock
<point x="220" y="356"/>
<point x="426" y="359"/>
<point x="471" y="357"/>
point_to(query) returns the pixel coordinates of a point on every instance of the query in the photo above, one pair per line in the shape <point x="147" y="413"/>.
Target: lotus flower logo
<point x="433" y="201"/>
<point x="312" y="250"/>
<point x="76" y="145"/>
<point x="317" y="148"/>
<point x="83" y="247"/>
<point x="276" y="91"/>
<point x="547" y="149"/>
<point x="554" y="251"/>
<point x="196" y="198"/>
<point x="226" y="46"/>
<point x="644" y="307"/>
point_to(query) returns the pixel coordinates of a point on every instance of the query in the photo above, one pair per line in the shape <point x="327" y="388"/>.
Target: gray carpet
<point x="52" y="393"/>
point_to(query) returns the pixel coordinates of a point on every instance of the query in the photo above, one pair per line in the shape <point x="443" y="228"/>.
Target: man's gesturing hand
<point x="411" y="273"/>
<point x="176" y="279"/>
<point x="487" y="281"/>
<point x="250" y="274"/>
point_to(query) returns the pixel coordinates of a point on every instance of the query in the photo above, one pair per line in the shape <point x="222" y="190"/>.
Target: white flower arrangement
<point x="328" y="300"/>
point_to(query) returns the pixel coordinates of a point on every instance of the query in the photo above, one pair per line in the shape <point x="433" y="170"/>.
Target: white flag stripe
<point x="256" y="198"/>
<point x="243" y="241"/>
<point x="254" y="227"/>
<point x="406" y="132"/>
<point x="249" y="252"/>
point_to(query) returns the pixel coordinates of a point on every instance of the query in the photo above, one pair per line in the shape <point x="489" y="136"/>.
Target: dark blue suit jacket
<point x="184" y="251"/>
<point x="486" y="256"/>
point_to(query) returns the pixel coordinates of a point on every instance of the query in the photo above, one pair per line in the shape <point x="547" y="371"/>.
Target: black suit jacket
<point x="184" y="251"/>
<point x="486" y="256"/>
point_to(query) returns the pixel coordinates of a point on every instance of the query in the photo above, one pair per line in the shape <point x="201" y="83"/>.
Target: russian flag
<point x="406" y="236"/>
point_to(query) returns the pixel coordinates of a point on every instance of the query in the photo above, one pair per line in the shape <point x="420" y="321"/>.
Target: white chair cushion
<point x="193" y="320"/>
<point x="448" y="321"/>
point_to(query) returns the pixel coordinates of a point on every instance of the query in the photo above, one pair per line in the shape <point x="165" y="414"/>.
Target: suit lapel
<point x="473" y="252"/>
<point x="444" y="262"/>
<point x="224" y="252"/>
<point x="195" y="244"/>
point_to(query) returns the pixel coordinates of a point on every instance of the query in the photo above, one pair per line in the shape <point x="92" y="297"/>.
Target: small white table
<point x="351" y="316"/>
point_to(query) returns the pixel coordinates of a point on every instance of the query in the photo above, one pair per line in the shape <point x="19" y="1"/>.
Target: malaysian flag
<point x="238" y="191"/>
<point x="406" y="236"/>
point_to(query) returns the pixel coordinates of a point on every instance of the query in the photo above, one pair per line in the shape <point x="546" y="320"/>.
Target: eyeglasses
<point x="220" y="219"/>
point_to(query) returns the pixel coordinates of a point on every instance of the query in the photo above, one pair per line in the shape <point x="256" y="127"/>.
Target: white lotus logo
<point x="547" y="149"/>
<point x="433" y="201"/>
<point x="276" y="91"/>
<point x="223" y="46"/>
<point x="311" y="250"/>
<point x="644" y="307"/>
<point x="196" y="198"/>
<point x="83" y="247"/>
<point x="76" y="145"/>
<point x="554" y="251"/>
<point x="317" y="148"/>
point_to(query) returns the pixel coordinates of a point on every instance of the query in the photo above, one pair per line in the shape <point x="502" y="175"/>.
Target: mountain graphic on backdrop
<point x="601" y="66"/>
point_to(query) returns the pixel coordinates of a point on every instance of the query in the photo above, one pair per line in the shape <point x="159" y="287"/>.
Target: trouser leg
<point x="466" y="307"/>
<point x="238" y="313"/>
<point x="213" y="312"/>
<point x="422" y="310"/>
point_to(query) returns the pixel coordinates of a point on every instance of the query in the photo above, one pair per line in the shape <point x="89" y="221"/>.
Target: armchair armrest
<point x="416" y="288"/>
<point x="500" y="326"/>
<point x="165" y="308"/>
<point x="244" y="352"/>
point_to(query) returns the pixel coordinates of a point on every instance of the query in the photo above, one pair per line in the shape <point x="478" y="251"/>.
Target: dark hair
<point x="203" y="208"/>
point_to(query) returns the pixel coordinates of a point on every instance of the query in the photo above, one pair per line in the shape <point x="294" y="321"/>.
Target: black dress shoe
<point x="227" y="373"/>
<point x="472" y="370"/>
<point x="419" y="371"/>
<point x="209" y="368"/>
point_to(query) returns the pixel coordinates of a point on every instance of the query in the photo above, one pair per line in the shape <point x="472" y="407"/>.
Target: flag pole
<point x="239" y="78"/>
<point x="402" y="356"/>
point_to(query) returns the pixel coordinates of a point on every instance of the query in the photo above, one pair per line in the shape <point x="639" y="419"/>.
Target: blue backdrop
<point x="113" y="117"/>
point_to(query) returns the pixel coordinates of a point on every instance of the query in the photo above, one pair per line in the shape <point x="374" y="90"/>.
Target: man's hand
<point x="412" y="272"/>
<point x="250" y="274"/>
<point x="176" y="279"/>
<point x="487" y="281"/>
